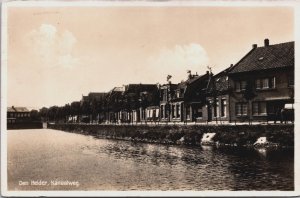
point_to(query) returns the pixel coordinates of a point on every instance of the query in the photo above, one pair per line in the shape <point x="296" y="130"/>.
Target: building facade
<point x="166" y="94"/>
<point x="263" y="83"/>
<point x="136" y="99"/>
<point x="17" y="114"/>
<point x="189" y="99"/>
<point x="218" y="98"/>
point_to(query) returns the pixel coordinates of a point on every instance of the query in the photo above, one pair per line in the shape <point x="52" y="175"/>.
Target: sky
<point x="58" y="54"/>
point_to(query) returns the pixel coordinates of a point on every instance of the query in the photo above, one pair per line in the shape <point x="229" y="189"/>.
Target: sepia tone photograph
<point x="147" y="96"/>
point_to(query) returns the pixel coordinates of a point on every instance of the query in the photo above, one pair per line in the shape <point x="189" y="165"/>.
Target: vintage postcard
<point x="149" y="98"/>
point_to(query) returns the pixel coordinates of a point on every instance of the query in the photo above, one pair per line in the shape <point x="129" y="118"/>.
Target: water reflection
<point x="101" y="164"/>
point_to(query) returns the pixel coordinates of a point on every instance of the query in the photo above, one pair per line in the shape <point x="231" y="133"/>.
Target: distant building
<point x="17" y="114"/>
<point x="137" y="97"/>
<point x="262" y="82"/>
<point x="166" y="94"/>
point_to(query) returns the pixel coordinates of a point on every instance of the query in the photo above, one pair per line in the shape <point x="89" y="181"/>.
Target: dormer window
<point x="178" y="94"/>
<point x="261" y="58"/>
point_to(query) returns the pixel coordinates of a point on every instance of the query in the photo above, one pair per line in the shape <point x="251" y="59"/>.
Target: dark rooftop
<point x="17" y="109"/>
<point x="140" y="87"/>
<point x="189" y="81"/>
<point x="266" y="57"/>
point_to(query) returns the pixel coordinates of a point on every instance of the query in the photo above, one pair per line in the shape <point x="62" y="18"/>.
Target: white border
<point x="3" y="100"/>
<point x="4" y="191"/>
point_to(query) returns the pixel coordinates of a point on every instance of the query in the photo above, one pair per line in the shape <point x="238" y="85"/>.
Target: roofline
<point x="250" y="53"/>
<point x="199" y="77"/>
<point x="229" y="72"/>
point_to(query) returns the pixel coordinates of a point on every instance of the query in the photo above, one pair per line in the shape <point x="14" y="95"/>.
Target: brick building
<point x="262" y="83"/>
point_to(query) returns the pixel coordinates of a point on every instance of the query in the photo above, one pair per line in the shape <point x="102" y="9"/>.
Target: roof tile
<point x="267" y="57"/>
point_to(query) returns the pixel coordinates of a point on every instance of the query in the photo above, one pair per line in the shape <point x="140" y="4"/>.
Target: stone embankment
<point x="223" y="135"/>
<point x="24" y="125"/>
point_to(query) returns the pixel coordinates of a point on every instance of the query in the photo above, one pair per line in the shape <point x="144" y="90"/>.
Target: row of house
<point x="259" y="87"/>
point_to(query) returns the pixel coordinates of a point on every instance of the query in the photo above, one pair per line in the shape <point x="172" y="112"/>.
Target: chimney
<point x="207" y="72"/>
<point x="266" y="42"/>
<point x="254" y="46"/>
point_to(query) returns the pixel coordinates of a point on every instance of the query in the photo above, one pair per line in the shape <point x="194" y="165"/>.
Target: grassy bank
<point x="239" y="135"/>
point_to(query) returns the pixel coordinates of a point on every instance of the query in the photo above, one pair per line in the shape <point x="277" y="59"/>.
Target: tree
<point x="34" y="115"/>
<point x="44" y="113"/>
<point x="75" y="110"/>
<point x="249" y="94"/>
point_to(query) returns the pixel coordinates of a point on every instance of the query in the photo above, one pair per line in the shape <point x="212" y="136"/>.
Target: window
<point x="237" y="86"/>
<point x="181" y="92"/>
<point x="243" y="85"/>
<point x="143" y="114"/>
<point x="259" y="108"/>
<point x="257" y="83"/>
<point x="216" y="109"/>
<point x="241" y="109"/>
<point x="178" y="110"/>
<point x="173" y="111"/>
<point x="188" y="112"/>
<point x="198" y="112"/>
<point x="223" y="107"/>
<point x="272" y="82"/>
<point x="244" y="109"/>
<point x="265" y="83"/>
<point x="151" y="112"/>
<point x="178" y="95"/>
<point x="291" y="81"/>
<point x="162" y="111"/>
<point x="240" y="85"/>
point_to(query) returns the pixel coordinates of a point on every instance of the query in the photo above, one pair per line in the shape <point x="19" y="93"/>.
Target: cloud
<point x="52" y="48"/>
<point x="177" y="60"/>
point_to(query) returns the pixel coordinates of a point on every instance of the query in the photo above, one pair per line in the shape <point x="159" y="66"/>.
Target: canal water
<point x="45" y="159"/>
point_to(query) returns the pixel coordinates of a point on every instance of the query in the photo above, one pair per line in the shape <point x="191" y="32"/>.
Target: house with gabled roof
<point x="138" y="97"/>
<point x="189" y="99"/>
<point x="166" y="92"/>
<point x="262" y="83"/>
<point x="218" y="97"/>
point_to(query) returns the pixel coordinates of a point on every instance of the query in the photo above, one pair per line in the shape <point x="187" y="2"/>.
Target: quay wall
<point x="231" y="135"/>
<point x="24" y="125"/>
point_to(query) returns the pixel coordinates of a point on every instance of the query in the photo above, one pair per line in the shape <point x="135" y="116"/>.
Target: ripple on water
<point x="100" y="164"/>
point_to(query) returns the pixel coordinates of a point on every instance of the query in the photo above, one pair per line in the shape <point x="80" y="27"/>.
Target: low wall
<point x="238" y="135"/>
